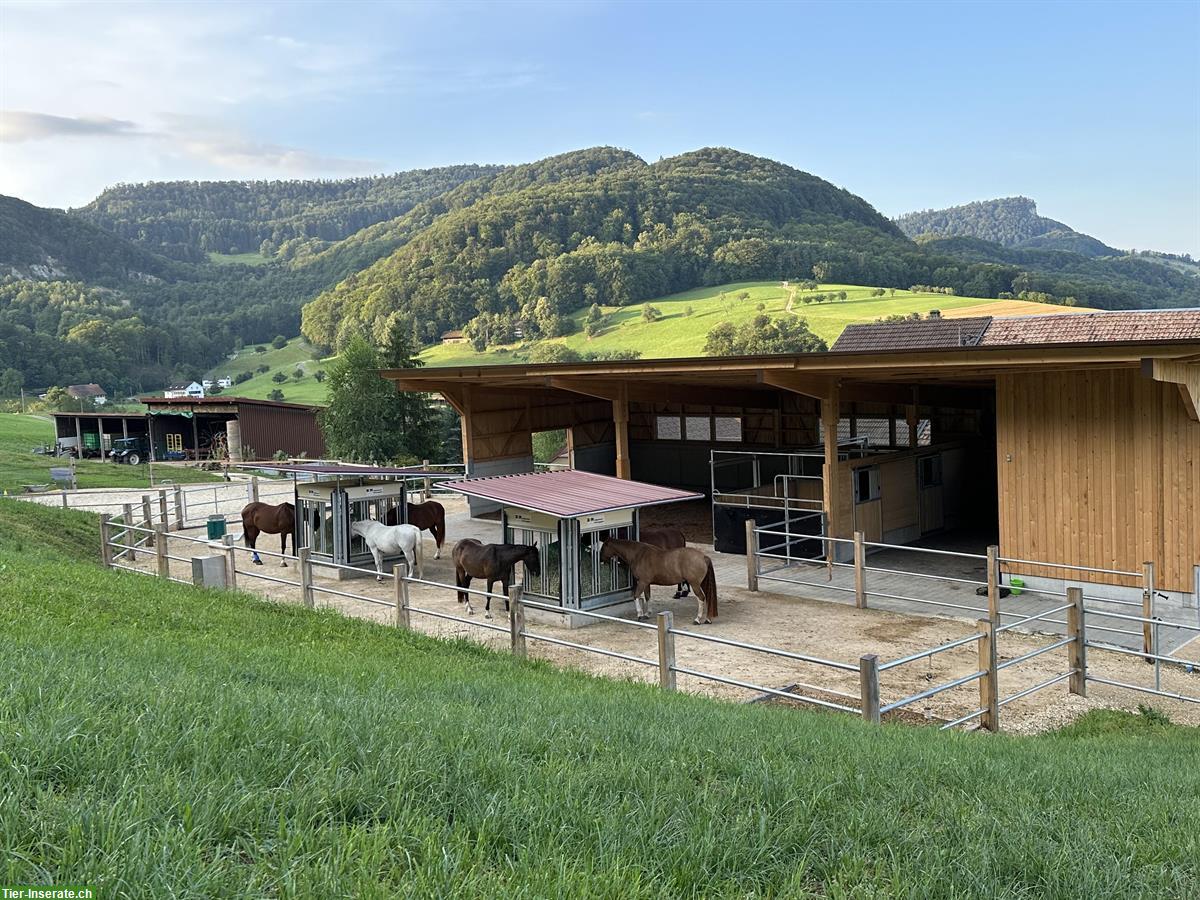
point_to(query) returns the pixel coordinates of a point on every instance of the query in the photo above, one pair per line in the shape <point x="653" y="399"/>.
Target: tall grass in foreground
<point x="158" y="740"/>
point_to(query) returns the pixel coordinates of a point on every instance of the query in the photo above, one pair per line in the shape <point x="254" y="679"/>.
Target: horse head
<point x="532" y="560"/>
<point x="607" y="551"/>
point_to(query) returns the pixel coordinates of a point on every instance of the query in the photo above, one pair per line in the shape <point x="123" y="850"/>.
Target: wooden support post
<point x="1077" y="650"/>
<point x="1148" y="608"/>
<point x="516" y="620"/>
<point x="162" y="508"/>
<point x="178" y="492"/>
<point x="427" y="487"/>
<point x="147" y="519"/>
<point x="621" y="429"/>
<point x="106" y="555"/>
<point x="254" y="489"/>
<point x="989" y="696"/>
<point x="860" y="571"/>
<point x="126" y="534"/>
<point x="868" y="685"/>
<point x="399" y="573"/>
<point x="306" y="591"/>
<point x="751" y="556"/>
<point x="831" y="474"/>
<point x="666" y="651"/>
<point x="910" y="416"/>
<point x="160" y="551"/>
<point x="993" y="583"/>
<point x="892" y="427"/>
<point x="230" y="562"/>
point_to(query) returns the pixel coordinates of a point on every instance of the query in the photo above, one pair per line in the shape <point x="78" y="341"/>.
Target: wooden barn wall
<point x="1098" y="468"/>
<point x="502" y="423"/>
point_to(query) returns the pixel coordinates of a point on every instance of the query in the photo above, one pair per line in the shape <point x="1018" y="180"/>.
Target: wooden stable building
<point x="1069" y="439"/>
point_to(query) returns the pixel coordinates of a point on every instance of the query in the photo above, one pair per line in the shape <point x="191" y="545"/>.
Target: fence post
<point x="148" y="519"/>
<point x="253" y="488"/>
<point x="751" y="556"/>
<point x="428" y="481"/>
<point x="127" y="520"/>
<point x="516" y="620"/>
<point x="306" y="591"/>
<point x="63" y="496"/>
<point x="993" y="583"/>
<point x="74" y="477"/>
<point x="860" y="570"/>
<point x="666" y="651"/>
<point x="401" y="586"/>
<point x="989" y="696"/>
<point x="106" y="555"/>
<point x="162" y="507"/>
<point x="1148" y="608"/>
<point x="230" y="562"/>
<point x="178" y="493"/>
<point x="1077" y="650"/>
<point x="160" y="551"/>
<point x="868" y="685"/>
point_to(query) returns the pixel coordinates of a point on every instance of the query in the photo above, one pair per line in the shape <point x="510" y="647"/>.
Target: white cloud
<point x="17" y="126"/>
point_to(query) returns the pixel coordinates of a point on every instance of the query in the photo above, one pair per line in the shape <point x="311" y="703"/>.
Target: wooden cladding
<point x="1098" y="468"/>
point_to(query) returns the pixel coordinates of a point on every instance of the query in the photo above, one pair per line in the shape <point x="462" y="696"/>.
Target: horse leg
<point x="487" y="608"/>
<point x="251" y="538"/>
<point x="463" y="580"/>
<point x="283" y="548"/>
<point x="640" y="606"/>
<point x="439" y="538"/>
<point x="378" y="554"/>
<point x="701" y="609"/>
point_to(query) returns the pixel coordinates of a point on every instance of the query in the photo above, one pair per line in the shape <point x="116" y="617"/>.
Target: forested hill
<point x="617" y="236"/>
<point x="187" y="219"/>
<point x="39" y="243"/>
<point x="1008" y="221"/>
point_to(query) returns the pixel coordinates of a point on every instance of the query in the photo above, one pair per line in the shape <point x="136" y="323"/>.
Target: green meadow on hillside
<point x="161" y="740"/>
<point x="253" y="258"/>
<point x="680" y="334"/>
<point x="20" y="466"/>
<point x="297" y="354"/>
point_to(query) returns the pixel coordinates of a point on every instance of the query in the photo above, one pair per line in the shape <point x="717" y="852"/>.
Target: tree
<point x="297" y="374"/>
<point x="319" y="375"/>
<point x="260" y="349"/>
<point x="591" y="329"/>
<point x="594" y="313"/>
<point x="276" y="395"/>
<point x="279" y="378"/>
<point x="823" y="271"/>
<point x="763" y="335"/>
<point x="280" y="342"/>
<point x="650" y="313"/>
<point x="263" y="369"/>
<point x="11" y="382"/>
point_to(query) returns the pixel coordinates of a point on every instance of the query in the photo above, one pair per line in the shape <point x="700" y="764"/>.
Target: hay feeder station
<point x="329" y="498"/>
<point x="568" y="515"/>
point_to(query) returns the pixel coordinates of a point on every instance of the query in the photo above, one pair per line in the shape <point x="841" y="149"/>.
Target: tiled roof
<point x="1094" y="328"/>
<point x="85" y="390"/>
<point x="568" y="493"/>
<point x="926" y="334"/>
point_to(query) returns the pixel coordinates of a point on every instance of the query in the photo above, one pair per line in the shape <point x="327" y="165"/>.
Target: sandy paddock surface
<point x="831" y="631"/>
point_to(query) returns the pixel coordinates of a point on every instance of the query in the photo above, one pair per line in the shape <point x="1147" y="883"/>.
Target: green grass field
<point x="297" y="354"/>
<point x="160" y="740"/>
<point x="680" y="335"/>
<point x="18" y="466"/>
<point x="237" y="259"/>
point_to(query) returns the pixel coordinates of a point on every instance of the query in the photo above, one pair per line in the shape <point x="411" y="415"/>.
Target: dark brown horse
<point x="665" y="537"/>
<point x="491" y="562"/>
<point x="262" y="518"/>
<point x="650" y="565"/>
<point x="428" y="516"/>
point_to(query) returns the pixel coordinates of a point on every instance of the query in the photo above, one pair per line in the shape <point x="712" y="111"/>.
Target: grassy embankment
<point x="19" y="466"/>
<point x="165" y="741"/>
<point x="678" y="334"/>
<point x="237" y="259"/>
<point x="296" y="355"/>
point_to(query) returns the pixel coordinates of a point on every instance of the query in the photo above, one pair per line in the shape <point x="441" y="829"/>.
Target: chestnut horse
<point x="665" y="537"/>
<point x="429" y="516"/>
<point x="262" y="518"/>
<point x="492" y="563"/>
<point x="650" y="565"/>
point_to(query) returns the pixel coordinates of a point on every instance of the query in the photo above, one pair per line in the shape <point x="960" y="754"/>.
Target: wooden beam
<point x="910" y="415"/>
<point x="810" y="386"/>
<point x="831" y="482"/>
<point x="621" y="428"/>
<point x="1185" y="375"/>
<point x="658" y="392"/>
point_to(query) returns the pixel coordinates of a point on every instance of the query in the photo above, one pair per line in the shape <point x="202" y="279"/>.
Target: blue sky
<point x="1092" y="109"/>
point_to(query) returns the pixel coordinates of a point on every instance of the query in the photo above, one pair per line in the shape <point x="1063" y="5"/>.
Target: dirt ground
<point x="828" y="630"/>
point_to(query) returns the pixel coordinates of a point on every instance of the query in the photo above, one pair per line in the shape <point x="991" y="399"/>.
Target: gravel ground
<point x="827" y="630"/>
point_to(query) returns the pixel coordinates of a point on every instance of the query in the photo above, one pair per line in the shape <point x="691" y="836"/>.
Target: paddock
<point x="920" y="651"/>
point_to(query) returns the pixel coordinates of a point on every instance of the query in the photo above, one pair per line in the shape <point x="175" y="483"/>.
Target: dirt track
<point x="828" y="630"/>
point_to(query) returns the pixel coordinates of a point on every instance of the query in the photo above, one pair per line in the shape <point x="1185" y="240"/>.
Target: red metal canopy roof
<point x="340" y="469"/>
<point x="568" y="493"/>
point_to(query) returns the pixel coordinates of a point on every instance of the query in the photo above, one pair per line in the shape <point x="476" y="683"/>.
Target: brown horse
<point x="429" y="516"/>
<point x="650" y="565"/>
<point x="262" y="518"/>
<point x="665" y="537"/>
<point x="491" y="562"/>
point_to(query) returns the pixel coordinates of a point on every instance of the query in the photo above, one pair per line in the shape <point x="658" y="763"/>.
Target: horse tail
<point x="709" y="587"/>
<point x="439" y="526"/>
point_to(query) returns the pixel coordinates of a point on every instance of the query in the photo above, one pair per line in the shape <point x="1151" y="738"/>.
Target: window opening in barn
<point x="931" y="471"/>
<point x="866" y="484"/>
<point x="667" y="428"/>
<point x="698" y="428"/>
<point x="727" y="428"/>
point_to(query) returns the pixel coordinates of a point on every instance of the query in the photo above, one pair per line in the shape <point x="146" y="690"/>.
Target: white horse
<point x="387" y="540"/>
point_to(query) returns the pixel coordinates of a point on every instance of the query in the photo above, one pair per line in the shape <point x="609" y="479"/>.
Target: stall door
<point x="929" y="482"/>
<point x="868" y="503"/>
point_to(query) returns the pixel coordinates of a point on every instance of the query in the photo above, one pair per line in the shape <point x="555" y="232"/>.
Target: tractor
<point x="129" y="450"/>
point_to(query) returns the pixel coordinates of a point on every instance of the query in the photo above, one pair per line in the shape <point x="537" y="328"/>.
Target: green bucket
<point x="1016" y="583"/>
<point x="216" y="527"/>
